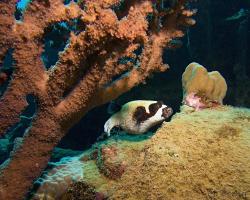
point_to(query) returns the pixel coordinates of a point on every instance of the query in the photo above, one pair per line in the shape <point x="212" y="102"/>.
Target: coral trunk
<point x="30" y="158"/>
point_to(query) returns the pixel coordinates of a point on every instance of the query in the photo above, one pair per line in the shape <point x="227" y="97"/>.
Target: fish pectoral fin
<point x="109" y="125"/>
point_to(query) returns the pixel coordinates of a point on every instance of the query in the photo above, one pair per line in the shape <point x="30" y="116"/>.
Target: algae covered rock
<point x="197" y="155"/>
<point x="82" y="191"/>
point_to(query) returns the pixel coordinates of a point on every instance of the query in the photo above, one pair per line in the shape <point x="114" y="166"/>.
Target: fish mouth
<point x="167" y="112"/>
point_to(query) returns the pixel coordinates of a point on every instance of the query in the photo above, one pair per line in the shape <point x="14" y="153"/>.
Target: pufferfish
<point x="137" y="117"/>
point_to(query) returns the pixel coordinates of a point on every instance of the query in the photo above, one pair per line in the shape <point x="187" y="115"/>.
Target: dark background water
<point x="215" y="42"/>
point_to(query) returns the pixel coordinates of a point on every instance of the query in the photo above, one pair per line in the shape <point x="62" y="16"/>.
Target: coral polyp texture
<point x="83" y="76"/>
<point x="197" y="82"/>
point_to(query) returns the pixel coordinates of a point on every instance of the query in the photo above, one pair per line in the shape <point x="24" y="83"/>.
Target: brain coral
<point x="196" y="79"/>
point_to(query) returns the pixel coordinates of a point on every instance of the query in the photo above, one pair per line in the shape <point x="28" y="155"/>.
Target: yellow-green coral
<point x="197" y="155"/>
<point x="196" y="79"/>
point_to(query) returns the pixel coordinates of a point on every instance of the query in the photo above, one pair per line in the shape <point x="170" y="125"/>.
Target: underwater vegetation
<point x="88" y="72"/>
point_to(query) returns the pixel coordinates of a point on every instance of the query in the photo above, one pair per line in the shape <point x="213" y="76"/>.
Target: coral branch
<point x="7" y="9"/>
<point x="75" y="104"/>
<point x="151" y="61"/>
<point x="9" y="115"/>
<point x="37" y="147"/>
<point x="23" y="84"/>
<point x="72" y="63"/>
<point x="47" y="12"/>
<point x="112" y="66"/>
<point x="30" y="76"/>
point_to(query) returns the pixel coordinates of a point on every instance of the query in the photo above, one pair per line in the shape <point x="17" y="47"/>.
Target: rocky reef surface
<point x="197" y="155"/>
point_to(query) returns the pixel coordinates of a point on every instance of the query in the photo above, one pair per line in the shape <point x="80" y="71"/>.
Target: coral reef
<point x="83" y="76"/>
<point x="99" y="167"/>
<point x="110" y="162"/>
<point x="59" y="153"/>
<point x="197" y="155"/>
<point x="82" y="191"/>
<point x="199" y="101"/>
<point x="57" y="180"/>
<point x="196" y="80"/>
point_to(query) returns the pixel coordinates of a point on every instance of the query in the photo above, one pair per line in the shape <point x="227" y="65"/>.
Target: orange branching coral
<point x="83" y="76"/>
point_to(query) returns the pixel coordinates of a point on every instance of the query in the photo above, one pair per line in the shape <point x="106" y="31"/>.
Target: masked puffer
<point x="137" y="117"/>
